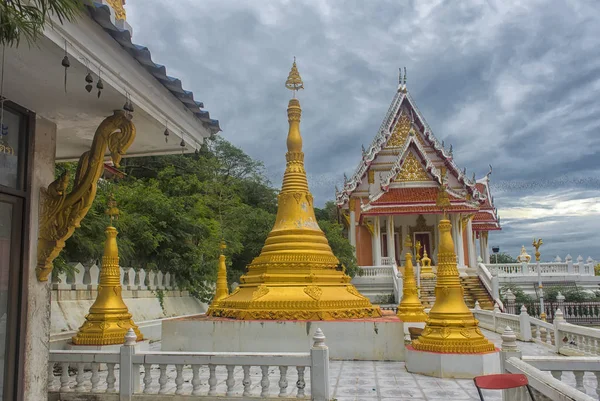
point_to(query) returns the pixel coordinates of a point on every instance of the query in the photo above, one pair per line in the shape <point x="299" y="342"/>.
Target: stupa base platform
<point x="449" y="365"/>
<point x="369" y="339"/>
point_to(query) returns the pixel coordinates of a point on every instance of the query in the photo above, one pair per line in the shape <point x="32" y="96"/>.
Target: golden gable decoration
<point x="401" y="132"/>
<point x="412" y="170"/>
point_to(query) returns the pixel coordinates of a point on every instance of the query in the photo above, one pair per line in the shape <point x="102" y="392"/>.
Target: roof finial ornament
<point x="405" y="76"/>
<point x="450" y="151"/>
<point x="489" y="172"/>
<point x="294" y="81"/>
<point x="473" y="179"/>
<point x="400" y="76"/>
<point x="345" y="178"/>
<point x="364" y="151"/>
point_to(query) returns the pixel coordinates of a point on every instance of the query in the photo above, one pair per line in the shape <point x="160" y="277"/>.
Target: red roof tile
<point x="396" y="196"/>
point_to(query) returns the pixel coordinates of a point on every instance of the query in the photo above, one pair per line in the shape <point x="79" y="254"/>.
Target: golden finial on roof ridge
<point x="443" y="201"/>
<point x="294" y="81"/>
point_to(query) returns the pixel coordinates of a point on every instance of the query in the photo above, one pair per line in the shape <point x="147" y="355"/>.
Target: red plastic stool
<point x="503" y="381"/>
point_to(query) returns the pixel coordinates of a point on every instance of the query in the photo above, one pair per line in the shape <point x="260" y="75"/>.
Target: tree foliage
<point x="176" y="209"/>
<point x="502" y="257"/>
<point x="25" y="19"/>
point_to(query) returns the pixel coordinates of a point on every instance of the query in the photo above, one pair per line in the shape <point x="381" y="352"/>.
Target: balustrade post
<point x="510" y="304"/>
<point x="319" y="369"/>
<point x="129" y="378"/>
<point x="143" y="279"/>
<point x="94" y="277"/>
<point x="560" y="303"/>
<point x="509" y="346"/>
<point x="525" y="268"/>
<point x="558" y="320"/>
<point x="525" y="324"/>
<point x="494" y="313"/>
<point x="495" y="285"/>
<point x="569" y="261"/>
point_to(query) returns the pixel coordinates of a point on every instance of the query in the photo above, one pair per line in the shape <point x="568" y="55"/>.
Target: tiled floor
<point x="356" y="380"/>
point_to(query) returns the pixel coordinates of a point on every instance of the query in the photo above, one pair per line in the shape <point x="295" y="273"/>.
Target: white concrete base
<point x="458" y="366"/>
<point x="369" y="339"/>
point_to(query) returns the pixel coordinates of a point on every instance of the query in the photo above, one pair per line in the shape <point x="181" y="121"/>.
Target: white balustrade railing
<point x="542" y="332"/>
<point x="206" y="370"/>
<point x="545" y="386"/>
<point x="87" y="278"/>
<point x="561" y="368"/>
<point x="580" y="267"/>
<point x="398" y="283"/>
<point x="576" y="340"/>
<point x="491" y="283"/>
<point x="376" y="271"/>
<point x="387" y="261"/>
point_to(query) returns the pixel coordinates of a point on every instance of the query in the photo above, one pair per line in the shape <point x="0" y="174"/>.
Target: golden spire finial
<point x="294" y="81"/>
<point x="223" y="246"/>
<point x="221" y="290"/>
<point x="410" y="308"/>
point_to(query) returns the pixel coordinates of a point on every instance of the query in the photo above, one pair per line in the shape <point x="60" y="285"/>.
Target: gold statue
<point x="410" y="308"/>
<point x="536" y="245"/>
<point x="523" y="256"/>
<point x="60" y="212"/>
<point x="426" y="270"/>
<point x="222" y="290"/>
<point x="418" y="251"/>
<point x="451" y="326"/>
<point x="296" y="275"/>
<point x="109" y="319"/>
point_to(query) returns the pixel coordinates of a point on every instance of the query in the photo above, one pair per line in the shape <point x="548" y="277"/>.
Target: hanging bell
<point x="128" y="106"/>
<point x="166" y="135"/>
<point x="65" y="61"/>
<point x="99" y="86"/>
<point x="182" y="143"/>
<point x="88" y="78"/>
<point x="89" y="88"/>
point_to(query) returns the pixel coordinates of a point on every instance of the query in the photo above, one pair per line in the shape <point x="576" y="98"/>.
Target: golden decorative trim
<point x="352" y="204"/>
<point x="117" y="6"/>
<point x="412" y="170"/>
<point x="371" y="176"/>
<point x="370" y="227"/>
<point x="61" y="213"/>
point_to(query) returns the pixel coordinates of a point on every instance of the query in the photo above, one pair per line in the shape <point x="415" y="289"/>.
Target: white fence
<point x="131" y="364"/>
<point x="86" y="278"/>
<point x="558" y="267"/>
<point x="566" y="378"/>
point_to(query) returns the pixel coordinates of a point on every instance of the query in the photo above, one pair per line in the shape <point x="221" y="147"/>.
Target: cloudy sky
<point x="514" y="84"/>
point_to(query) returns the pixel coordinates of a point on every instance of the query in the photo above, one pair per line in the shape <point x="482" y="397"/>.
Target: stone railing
<point x="558" y="267"/>
<point x="398" y="283"/>
<point x="376" y="271"/>
<point x="490" y="282"/>
<point x="564" y="338"/>
<point x="387" y="261"/>
<point x="202" y="367"/>
<point x="86" y="278"/>
<point x="545" y="387"/>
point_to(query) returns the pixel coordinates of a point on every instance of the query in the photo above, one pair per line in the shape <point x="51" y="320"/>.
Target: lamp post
<point x="496" y="249"/>
<point x="536" y="245"/>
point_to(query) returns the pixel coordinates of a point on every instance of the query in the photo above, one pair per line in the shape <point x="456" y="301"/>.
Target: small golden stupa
<point x="451" y="327"/>
<point x="410" y="308"/>
<point x="296" y="275"/>
<point x="221" y="290"/>
<point x="109" y="319"/>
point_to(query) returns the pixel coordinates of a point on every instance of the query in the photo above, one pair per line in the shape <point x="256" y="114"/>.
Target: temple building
<point x="82" y="92"/>
<point x="393" y="193"/>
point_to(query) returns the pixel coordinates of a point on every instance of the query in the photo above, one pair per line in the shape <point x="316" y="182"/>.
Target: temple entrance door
<point x="425" y="240"/>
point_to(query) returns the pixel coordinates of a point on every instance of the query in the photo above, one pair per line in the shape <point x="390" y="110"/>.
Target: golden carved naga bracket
<point x="117" y="6"/>
<point x="61" y="213"/>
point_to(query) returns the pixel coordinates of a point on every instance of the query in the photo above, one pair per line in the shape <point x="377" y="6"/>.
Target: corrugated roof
<point x="101" y="14"/>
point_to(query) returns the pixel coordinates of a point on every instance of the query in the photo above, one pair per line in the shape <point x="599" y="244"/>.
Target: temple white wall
<point x="37" y="331"/>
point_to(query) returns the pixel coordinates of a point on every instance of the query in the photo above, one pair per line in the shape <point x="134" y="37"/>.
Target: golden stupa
<point x="451" y="327"/>
<point x="296" y="275"/>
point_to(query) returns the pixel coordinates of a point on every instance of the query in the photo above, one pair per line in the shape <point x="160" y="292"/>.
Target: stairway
<point x="474" y="291"/>
<point x="428" y="292"/>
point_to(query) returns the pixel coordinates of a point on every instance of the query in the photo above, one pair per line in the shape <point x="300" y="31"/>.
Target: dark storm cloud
<point x="513" y="84"/>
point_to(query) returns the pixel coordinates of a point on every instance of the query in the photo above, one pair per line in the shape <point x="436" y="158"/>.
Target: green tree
<point x="27" y="18"/>
<point x="502" y="257"/>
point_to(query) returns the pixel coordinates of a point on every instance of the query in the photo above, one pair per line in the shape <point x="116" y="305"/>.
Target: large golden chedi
<point x="296" y="275"/>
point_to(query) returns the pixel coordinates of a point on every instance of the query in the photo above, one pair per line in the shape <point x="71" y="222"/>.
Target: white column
<point x="390" y="238"/>
<point x="459" y="240"/>
<point x="377" y="242"/>
<point x="471" y="245"/>
<point x="481" y="248"/>
<point x="454" y="231"/>
<point x="352" y="230"/>
<point x="486" y="247"/>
